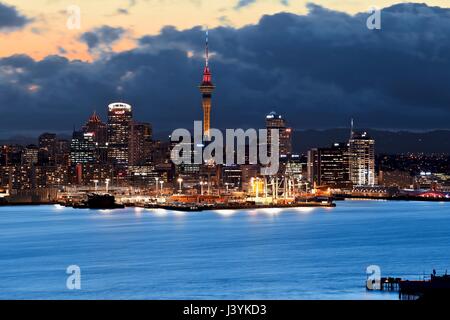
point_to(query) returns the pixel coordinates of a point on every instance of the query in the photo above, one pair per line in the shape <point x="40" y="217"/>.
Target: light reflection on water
<point x="295" y="253"/>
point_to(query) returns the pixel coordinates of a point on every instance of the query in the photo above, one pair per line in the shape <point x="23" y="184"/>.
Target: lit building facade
<point x="119" y="129"/>
<point x="98" y="128"/>
<point x="82" y="148"/>
<point x="330" y="166"/>
<point x="30" y="154"/>
<point x="276" y="121"/>
<point x="140" y="144"/>
<point x="206" y="89"/>
<point x="362" y="159"/>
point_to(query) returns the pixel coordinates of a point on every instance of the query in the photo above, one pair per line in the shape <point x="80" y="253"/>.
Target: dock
<point x="434" y="288"/>
<point x="196" y="207"/>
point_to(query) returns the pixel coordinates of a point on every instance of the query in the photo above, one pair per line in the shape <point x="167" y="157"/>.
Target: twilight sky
<point x="314" y="62"/>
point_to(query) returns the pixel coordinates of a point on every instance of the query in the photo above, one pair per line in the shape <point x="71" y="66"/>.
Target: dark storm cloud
<point x="102" y="37"/>
<point x="318" y="70"/>
<point x="10" y="18"/>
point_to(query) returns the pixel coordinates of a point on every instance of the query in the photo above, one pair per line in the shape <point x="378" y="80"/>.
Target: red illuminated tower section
<point x="206" y="89"/>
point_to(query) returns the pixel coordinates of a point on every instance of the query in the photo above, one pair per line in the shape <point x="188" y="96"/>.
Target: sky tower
<point x="206" y="89"/>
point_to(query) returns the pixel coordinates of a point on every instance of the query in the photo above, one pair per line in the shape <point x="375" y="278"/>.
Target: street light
<point x="156" y="185"/>
<point x="180" y="181"/>
<point x="161" y="182"/>
<point x="96" y="185"/>
<point x="107" y="184"/>
<point x="201" y="187"/>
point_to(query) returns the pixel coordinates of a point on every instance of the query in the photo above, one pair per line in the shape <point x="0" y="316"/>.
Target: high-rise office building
<point x="62" y="155"/>
<point x="119" y="128"/>
<point x="140" y="144"/>
<point x="231" y="176"/>
<point x="276" y="121"/>
<point x="47" y="148"/>
<point x="295" y="167"/>
<point x="30" y="155"/>
<point x="206" y="89"/>
<point x="329" y="166"/>
<point x="82" y="148"/>
<point x="362" y="159"/>
<point x="96" y="126"/>
<point x="100" y="130"/>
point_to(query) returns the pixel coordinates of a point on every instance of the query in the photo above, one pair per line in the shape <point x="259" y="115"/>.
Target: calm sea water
<point x="259" y="254"/>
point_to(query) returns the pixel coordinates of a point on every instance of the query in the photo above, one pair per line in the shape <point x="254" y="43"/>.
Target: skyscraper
<point x="362" y="159"/>
<point x="329" y="166"/>
<point x="100" y="134"/>
<point x="140" y="143"/>
<point x="47" y="147"/>
<point x="119" y="127"/>
<point x="97" y="127"/>
<point x="62" y="155"/>
<point x="206" y="89"/>
<point x="82" y="148"/>
<point x="30" y="154"/>
<point x="276" y="121"/>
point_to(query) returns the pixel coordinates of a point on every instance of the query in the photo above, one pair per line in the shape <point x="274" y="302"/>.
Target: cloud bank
<point x="318" y="70"/>
<point x="11" y="19"/>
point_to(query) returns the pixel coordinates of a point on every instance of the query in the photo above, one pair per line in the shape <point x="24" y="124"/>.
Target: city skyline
<point x="263" y="71"/>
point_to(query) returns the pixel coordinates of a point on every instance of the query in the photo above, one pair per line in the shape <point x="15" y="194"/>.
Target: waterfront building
<point x="296" y="167"/>
<point x="143" y="176"/>
<point x="313" y="166"/>
<point x="91" y="174"/>
<point x="329" y="166"/>
<point x="334" y="166"/>
<point x="231" y="176"/>
<point x="5" y="177"/>
<point x="432" y="181"/>
<point x="362" y="159"/>
<point x="190" y="173"/>
<point x="165" y="171"/>
<point x="50" y="176"/>
<point x="248" y="171"/>
<point x="119" y="128"/>
<point x="396" y="178"/>
<point x="18" y="177"/>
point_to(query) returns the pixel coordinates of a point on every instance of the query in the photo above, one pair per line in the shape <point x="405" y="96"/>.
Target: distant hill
<point x="389" y="142"/>
<point x="22" y="140"/>
<point x="26" y="140"/>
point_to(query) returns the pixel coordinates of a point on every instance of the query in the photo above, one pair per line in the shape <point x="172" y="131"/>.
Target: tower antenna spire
<point x="206" y="89"/>
<point x="206" y="47"/>
<point x="351" y="128"/>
